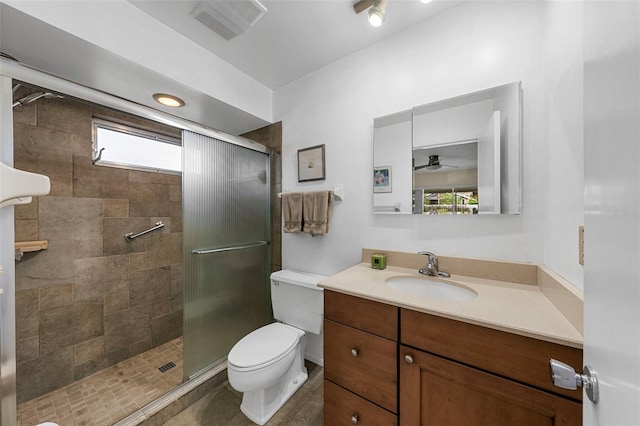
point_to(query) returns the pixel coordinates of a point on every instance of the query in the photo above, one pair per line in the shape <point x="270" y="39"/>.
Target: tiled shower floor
<point x="111" y="394"/>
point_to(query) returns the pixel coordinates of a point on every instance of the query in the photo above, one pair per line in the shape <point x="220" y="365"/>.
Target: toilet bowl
<point x="267" y="365"/>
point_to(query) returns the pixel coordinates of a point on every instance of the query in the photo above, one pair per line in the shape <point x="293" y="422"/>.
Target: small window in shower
<point x="128" y="147"/>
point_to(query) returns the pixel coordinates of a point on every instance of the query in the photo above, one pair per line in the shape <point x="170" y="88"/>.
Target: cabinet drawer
<point x="340" y="407"/>
<point x="517" y="357"/>
<point x="361" y="362"/>
<point x="373" y="317"/>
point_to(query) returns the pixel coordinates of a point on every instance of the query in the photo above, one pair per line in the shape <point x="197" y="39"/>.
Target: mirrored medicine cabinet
<point x="456" y="156"/>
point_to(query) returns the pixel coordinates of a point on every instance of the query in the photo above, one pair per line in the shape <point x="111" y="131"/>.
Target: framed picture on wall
<point x="311" y="163"/>
<point x="382" y="179"/>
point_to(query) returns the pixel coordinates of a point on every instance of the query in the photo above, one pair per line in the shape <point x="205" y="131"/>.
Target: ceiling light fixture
<point x="377" y="12"/>
<point x="168" y="100"/>
<point x="425" y="1"/>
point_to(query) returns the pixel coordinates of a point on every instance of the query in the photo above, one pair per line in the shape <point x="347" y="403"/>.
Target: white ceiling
<point x="294" y="37"/>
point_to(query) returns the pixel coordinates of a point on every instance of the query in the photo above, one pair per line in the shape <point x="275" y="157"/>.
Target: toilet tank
<point x="297" y="300"/>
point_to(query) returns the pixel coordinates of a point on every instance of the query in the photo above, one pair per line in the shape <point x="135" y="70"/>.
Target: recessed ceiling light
<point x="168" y="100"/>
<point x="426" y="1"/>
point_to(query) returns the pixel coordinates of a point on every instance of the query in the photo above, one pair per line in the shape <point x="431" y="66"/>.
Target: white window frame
<point x="100" y="123"/>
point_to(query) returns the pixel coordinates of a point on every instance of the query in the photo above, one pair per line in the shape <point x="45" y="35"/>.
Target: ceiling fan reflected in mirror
<point x="433" y="164"/>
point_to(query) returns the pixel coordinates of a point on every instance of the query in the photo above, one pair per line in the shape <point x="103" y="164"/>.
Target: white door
<point x="612" y="209"/>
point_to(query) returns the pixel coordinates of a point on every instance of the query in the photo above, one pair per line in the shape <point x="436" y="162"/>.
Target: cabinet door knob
<point x="354" y="419"/>
<point x="354" y="352"/>
<point x="408" y="358"/>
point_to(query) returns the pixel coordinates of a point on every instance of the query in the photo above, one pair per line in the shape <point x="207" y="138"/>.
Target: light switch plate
<point x="581" y="244"/>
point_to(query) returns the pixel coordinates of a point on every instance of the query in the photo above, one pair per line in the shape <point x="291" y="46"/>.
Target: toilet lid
<point x="264" y="345"/>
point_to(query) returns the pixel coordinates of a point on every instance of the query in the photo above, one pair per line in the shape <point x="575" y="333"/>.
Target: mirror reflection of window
<point x="450" y="202"/>
<point x="447" y="177"/>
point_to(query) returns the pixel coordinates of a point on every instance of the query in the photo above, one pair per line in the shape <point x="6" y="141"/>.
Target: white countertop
<point x="516" y="308"/>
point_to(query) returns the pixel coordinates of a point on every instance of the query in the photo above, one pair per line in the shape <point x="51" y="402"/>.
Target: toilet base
<point x="259" y="406"/>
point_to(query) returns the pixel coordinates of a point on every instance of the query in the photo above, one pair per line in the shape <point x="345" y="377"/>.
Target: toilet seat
<point x="263" y="347"/>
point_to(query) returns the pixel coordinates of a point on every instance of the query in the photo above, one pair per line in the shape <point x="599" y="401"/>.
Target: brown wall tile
<point x="168" y="251"/>
<point x="94" y="181"/>
<point x="66" y="115"/>
<point x="100" y="363"/>
<point x="99" y="276"/>
<point x="86" y="351"/>
<point x="26" y="349"/>
<point x="61" y="186"/>
<point x="176" y="302"/>
<point x="116" y="302"/>
<point x="147" y="200"/>
<point x="26" y="230"/>
<point x="25" y="114"/>
<point x="40" y="150"/>
<point x="46" y="268"/>
<point x="124" y="328"/>
<point x="83" y="249"/>
<point x="42" y="375"/>
<point x="160" y="307"/>
<point x="69" y="325"/>
<point x="27" y="211"/>
<point x="176" y="217"/>
<point x="166" y="328"/>
<point x="148" y="177"/>
<point x="67" y="218"/>
<point x="82" y="145"/>
<point x="116" y="208"/>
<point x="149" y="285"/>
<point x="26" y="313"/>
<point x="174" y="179"/>
<point x="176" y="279"/>
<point x="51" y="297"/>
<point x="140" y="261"/>
<point x="175" y="193"/>
<point x="139" y="347"/>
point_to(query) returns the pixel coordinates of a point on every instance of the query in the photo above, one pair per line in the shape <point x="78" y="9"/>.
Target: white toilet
<point x="268" y="363"/>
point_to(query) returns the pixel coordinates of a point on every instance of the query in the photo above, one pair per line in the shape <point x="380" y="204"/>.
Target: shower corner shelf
<point x="29" y="246"/>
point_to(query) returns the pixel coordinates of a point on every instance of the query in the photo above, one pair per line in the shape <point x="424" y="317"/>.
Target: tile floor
<point x="109" y="395"/>
<point x="221" y="406"/>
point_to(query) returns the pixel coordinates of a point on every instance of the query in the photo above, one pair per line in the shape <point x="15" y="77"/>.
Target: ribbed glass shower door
<point x="226" y="253"/>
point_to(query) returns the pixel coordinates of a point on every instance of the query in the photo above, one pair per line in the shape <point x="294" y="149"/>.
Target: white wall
<point x="468" y="48"/>
<point x="564" y="170"/>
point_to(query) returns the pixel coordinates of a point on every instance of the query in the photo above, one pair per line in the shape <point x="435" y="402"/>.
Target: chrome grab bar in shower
<point x="131" y="236"/>
<point x="230" y="248"/>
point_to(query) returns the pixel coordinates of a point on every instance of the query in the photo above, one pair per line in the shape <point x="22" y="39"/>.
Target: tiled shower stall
<point x="91" y="299"/>
<point x="95" y="313"/>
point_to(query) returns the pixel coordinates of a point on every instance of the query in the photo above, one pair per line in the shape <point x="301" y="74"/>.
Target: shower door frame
<point x="12" y="70"/>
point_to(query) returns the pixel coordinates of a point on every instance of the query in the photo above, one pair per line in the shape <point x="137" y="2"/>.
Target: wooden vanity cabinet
<point x="454" y="373"/>
<point x="386" y="366"/>
<point x="360" y="361"/>
<point x="437" y="391"/>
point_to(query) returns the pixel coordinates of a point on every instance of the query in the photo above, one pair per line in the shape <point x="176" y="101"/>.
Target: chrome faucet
<point x="432" y="266"/>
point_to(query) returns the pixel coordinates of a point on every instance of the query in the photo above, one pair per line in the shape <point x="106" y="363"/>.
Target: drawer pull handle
<point x="354" y="352"/>
<point x="354" y="419"/>
<point x="408" y="359"/>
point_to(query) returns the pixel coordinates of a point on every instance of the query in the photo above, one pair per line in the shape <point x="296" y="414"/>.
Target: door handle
<point x="565" y="377"/>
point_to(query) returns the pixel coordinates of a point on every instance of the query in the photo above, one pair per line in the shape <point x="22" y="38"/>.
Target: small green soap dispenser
<point x="378" y="261"/>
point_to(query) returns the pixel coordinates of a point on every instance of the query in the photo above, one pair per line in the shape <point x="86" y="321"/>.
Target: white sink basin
<point x="431" y="287"/>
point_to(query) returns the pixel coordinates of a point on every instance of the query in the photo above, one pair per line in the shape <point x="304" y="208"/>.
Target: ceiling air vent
<point x="229" y="18"/>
